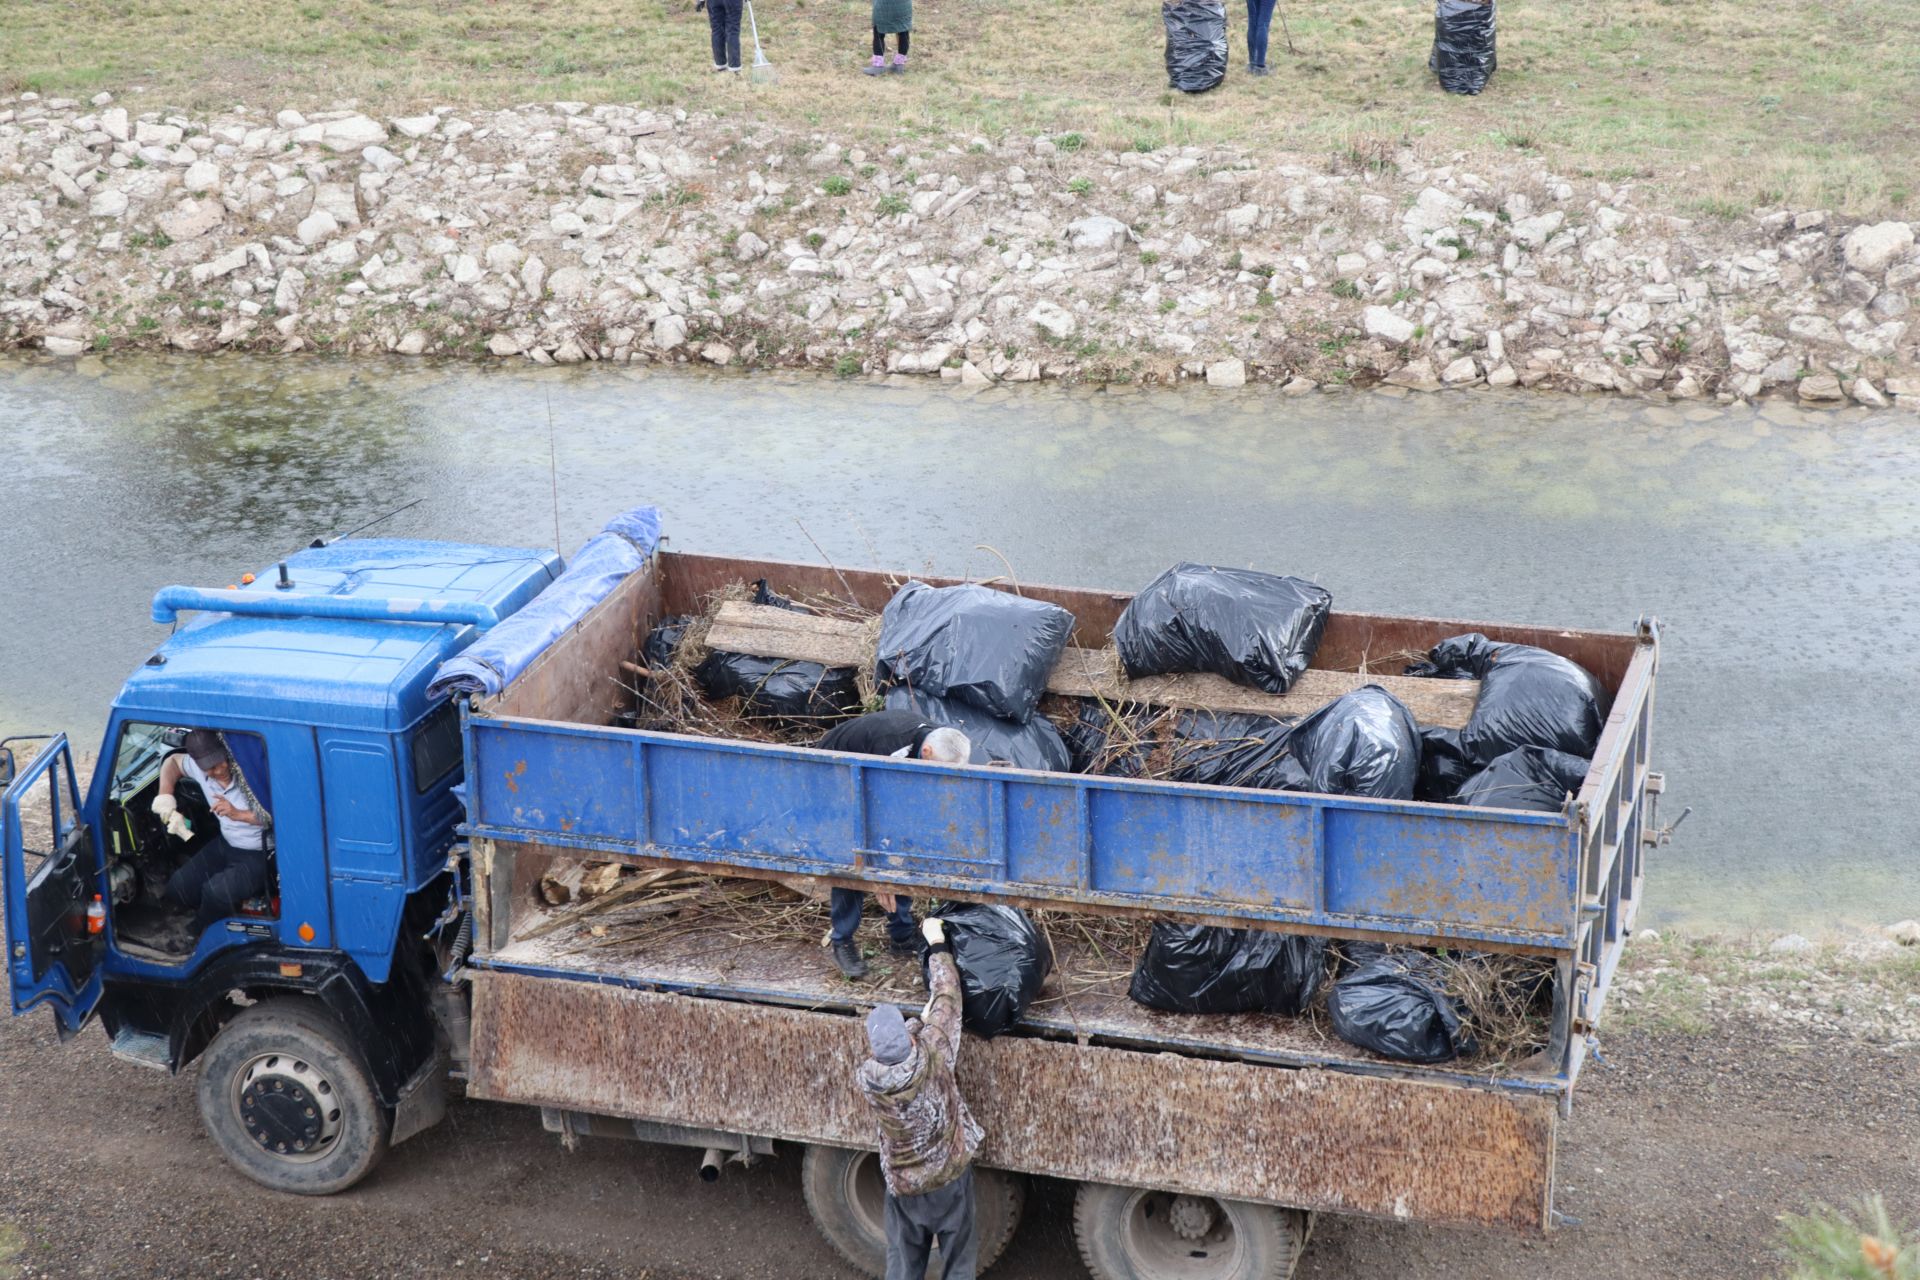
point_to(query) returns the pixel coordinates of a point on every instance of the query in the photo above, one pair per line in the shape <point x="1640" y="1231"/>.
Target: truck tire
<point x="286" y="1099"/>
<point x="847" y="1199"/>
<point x="1125" y="1233"/>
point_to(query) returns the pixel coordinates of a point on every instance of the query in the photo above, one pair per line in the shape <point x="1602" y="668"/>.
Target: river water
<point x="1780" y="549"/>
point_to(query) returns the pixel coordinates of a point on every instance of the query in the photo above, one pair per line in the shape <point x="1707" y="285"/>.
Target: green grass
<point x="1722" y="103"/>
<point x="1865" y="1243"/>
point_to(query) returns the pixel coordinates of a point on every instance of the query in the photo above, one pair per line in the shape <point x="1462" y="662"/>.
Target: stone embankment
<point x="573" y="232"/>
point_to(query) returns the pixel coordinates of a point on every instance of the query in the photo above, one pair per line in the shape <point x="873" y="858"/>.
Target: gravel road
<point x="1683" y="1147"/>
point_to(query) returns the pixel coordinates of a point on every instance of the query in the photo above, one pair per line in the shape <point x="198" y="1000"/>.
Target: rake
<point x="762" y="70"/>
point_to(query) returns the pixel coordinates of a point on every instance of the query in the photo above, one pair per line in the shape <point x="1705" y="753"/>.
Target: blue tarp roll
<point x="510" y="648"/>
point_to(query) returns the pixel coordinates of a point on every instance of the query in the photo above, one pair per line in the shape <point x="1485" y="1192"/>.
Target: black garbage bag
<point x="1256" y="629"/>
<point x="1196" y="43"/>
<point x="1464" y="56"/>
<point x="1231" y="749"/>
<point x="1112" y="741"/>
<point x="1394" y="1005"/>
<point x="1526" y="778"/>
<point x="1363" y="743"/>
<point x="1033" y="745"/>
<point x="1444" y="765"/>
<point x="1528" y="697"/>
<point x="1190" y="968"/>
<point x="1002" y="958"/>
<point x="989" y="648"/>
<point x="780" y="688"/>
<point x="656" y="654"/>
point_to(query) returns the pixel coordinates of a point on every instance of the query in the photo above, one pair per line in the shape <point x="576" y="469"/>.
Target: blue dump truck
<point x="438" y="730"/>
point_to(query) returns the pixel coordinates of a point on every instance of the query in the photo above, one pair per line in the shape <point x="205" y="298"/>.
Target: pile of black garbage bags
<point x="979" y="659"/>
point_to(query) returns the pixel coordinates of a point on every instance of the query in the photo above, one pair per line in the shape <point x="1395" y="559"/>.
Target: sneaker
<point x="718" y="68"/>
<point x="847" y="956"/>
<point x="877" y="67"/>
<point x="1258" y="71"/>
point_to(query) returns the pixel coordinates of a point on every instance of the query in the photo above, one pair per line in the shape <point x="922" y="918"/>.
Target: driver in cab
<point x="231" y="867"/>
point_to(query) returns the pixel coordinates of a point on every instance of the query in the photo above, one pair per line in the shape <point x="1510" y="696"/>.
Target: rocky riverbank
<point x="570" y="232"/>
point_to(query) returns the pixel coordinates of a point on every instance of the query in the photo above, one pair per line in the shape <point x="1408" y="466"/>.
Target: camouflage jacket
<point x="927" y="1136"/>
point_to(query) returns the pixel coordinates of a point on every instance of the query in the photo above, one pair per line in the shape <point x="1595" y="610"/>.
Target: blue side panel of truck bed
<point x="1338" y="862"/>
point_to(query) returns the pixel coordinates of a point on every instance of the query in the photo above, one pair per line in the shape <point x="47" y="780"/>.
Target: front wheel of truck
<point x="1125" y="1233"/>
<point x="847" y="1198"/>
<point x="286" y="1099"/>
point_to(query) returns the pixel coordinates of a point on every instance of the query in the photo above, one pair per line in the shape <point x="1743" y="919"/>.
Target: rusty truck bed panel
<point x="1303" y="1138"/>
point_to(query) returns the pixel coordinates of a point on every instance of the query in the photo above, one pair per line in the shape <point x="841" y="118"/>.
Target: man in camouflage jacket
<point x="927" y="1136"/>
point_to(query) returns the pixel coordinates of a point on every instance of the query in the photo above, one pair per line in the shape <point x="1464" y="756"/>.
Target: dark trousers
<point x="723" y="24"/>
<point x="847" y="904"/>
<point x="217" y="880"/>
<point x="914" y="1223"/>
<point x="900" y="39"/>
<point x="1259" y="19"/>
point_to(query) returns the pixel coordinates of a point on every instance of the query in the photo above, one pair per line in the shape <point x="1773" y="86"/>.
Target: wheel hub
<point x="1191" y="1217"/>
<point x="287" y="1107"/>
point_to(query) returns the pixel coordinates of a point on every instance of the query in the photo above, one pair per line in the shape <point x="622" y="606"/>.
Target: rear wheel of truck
<point x="847" y="1198"/>
<point x="1125" y="1233"/>
<point x="287" y="1101"/>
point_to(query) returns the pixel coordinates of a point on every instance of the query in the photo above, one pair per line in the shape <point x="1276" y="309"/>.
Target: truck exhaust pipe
<point x="710" y="1164"/>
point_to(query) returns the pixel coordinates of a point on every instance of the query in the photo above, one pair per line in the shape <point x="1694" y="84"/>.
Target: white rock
<point x="1434" y="210"/>
<point x="669" y="332"/>
<point x="1460" y="371"/>
<point x="1791" y="944"/>
<point x="1240" y="219"/>
<point x="504" y="344"/>
<point x="1227" y="373"/>
<point x="1054" y="318"/>
<point x="290" y="119"/>
<point x="107" y="203"/>
<point x="1630" y="317"/>
<point x="383" y="160"/>
<point x="1873" y="249"/>
<point x="1821" y="388"/>
<point x="115" y="125"/>
<point x="931" y="360"/>
<point x="416" y="126"/>
<point x="1906" y="933"/>
<point x="1096" y="232"/>
<point x="354" y="133"/>
<point x="713" y="353"/>
<point x="1536" y="231"/>
<point x="1382" y="323"/>
<point x="1348" y="265"/>
<point x="504" y="258"/>
<point x="1298" y="385"/>
<point x="224" y="265"/>
<point x="749" y="247"/>
<point x="971" y="376"/>
<point x="148" y="134"/>
<point x="568" y="224"/>
<point x="1816" y="329"/>
<point x="191" y="219"/>
<point x="1504" y="376"/>
<point x="533" y="277"/>
<point x="288" y="292"/>
<point x="58" y="346"/>
<point x="201" y="175"/>
<point x="413" y="343"/>
<point x="467" y="270"/>
<point x="317" y="226"/>
<point x="1610" y="220"/>
<point x="1864" y="392"/>
<point x="569" y="283"/>
<point x="1417" y="376"/>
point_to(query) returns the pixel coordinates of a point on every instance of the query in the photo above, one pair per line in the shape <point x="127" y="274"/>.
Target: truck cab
<point x="313" y="679"/>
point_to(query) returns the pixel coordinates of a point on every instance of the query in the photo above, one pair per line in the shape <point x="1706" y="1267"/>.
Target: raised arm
<point x="942" y="1017"/>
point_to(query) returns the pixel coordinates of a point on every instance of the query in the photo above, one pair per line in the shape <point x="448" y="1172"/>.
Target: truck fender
<point x="390" y="1022"/>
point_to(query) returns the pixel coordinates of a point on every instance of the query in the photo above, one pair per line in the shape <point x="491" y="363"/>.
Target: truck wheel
<point x="286" y="1100"/>
<point x="1128" y="1234"/>
<point x="847" y="1198"/>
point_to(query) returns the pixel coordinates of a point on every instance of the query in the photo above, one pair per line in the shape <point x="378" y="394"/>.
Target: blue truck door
<point x="52" y="872"/>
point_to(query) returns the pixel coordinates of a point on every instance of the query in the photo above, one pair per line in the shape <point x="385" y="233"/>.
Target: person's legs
<point x="245" y="877"/>
<point x="1259" y="21"/>
<point x="874" y="68"/>
<point x="717" y="32"/>
<point x="908" y="1242"/>
<point x="959" y="1246"/>
<point x="901" y="41"/>
<point x="736" y="10"/>
<point x="900" y="926"/>
<point x="845" y="908"/>
<point x="188" y="885"/>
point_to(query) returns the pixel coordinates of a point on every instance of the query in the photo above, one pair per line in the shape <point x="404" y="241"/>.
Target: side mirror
<point x="7" y="768"/>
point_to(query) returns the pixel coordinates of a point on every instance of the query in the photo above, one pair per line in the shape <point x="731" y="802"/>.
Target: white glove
<point x="178" y="827"/>
<point x="934" y="930"/>
<point x="164" y="807"/>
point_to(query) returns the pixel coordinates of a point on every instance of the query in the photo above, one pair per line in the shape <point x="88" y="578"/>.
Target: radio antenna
<point x="323" y="542"/>
<point x="553" y="472"/>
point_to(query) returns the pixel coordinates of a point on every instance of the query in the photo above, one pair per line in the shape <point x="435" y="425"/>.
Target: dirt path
<point x="1683" y="1148"/>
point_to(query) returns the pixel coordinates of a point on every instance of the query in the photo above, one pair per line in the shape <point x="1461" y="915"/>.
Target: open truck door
<point x="51" y="864"/>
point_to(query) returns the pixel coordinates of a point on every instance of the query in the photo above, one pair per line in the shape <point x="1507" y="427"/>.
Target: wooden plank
<point x="766" y="632"/>
<point x="1310" y="1139"/>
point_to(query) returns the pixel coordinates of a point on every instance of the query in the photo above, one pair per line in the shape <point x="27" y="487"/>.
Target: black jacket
<point x="879" y="733"/>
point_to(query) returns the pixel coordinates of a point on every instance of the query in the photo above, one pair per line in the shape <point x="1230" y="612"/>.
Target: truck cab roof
<point x="367" y="673"/>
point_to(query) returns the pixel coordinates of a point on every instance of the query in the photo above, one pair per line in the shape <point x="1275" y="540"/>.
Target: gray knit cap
<point x="887" y="1035"/>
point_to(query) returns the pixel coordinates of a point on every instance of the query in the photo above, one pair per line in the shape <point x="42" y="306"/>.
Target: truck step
<point x="142" y="1048"/>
